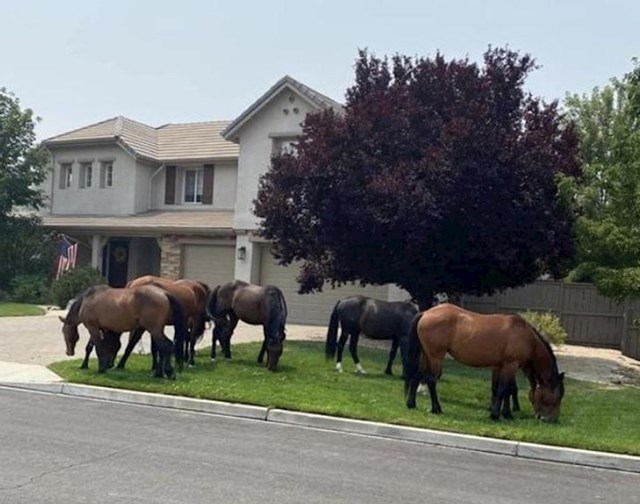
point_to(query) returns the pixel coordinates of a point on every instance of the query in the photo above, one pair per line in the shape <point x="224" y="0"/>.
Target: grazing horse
<point x="505" y="343"/>
<point x="107" y="312"/>
<point x="375" y="319"/>
<point x="254" y="304"/>
<point x="193" y="298"/>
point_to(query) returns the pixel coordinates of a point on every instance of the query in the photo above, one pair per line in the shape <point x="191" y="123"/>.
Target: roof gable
<point x="316" y="99"/>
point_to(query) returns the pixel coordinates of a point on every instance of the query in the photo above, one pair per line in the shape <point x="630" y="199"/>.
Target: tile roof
<point x="195" y="222"/>
<point x="318" y="99"/>
<point x="171" y="142"/>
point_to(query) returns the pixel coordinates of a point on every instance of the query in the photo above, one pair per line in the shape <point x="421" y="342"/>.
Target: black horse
<point x="375" y="319"/>
<point x="254" y="304"/>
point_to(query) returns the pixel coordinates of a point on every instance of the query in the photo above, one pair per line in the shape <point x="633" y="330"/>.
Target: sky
<point x="79" y="62"/>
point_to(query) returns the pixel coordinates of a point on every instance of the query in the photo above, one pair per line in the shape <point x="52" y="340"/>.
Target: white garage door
<point x="213" y="264"/>
<point x="312" y="309"/>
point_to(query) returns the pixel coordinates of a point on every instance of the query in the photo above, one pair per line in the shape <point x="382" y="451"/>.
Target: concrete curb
<point x="519" y="449"/>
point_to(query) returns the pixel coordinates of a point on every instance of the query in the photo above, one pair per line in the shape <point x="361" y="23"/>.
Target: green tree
<point x="440" y="176"/>
<point x="24" y="245"/>
<point x="608" y="195"/>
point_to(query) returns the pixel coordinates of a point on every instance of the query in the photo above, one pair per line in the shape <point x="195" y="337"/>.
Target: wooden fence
<point x="589" y="318"/>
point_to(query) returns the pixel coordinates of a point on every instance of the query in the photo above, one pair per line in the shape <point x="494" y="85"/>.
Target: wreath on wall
<point x="120" y="254"/>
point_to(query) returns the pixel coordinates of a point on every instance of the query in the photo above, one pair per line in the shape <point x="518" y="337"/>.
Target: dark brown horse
<point x="373" y="318"/>
<point x="503" y="342"/>
<point x="255" y="305"/>
<point x="106" y="311"/>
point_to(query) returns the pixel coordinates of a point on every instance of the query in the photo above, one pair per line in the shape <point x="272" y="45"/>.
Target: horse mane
<point x="547" y="346"/>
<point x="76" y="302"/>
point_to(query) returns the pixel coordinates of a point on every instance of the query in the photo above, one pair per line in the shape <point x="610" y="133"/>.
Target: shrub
<point x="548" y="324"/>
<point x="73" y="282"/>
<point x="30" y="289"/>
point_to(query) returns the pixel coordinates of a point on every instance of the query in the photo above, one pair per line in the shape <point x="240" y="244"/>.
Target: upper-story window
<point x="106" y="174"/>
<point x="86" y="175"/>
<point x="66" y="175"/>
<point x="282" y="145"/>
<point x="193" y="186"/>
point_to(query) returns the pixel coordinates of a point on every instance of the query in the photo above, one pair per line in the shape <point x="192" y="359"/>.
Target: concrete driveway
<point x="38" y="340"/>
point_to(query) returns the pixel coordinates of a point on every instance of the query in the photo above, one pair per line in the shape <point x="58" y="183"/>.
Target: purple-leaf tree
<point x="439" y="176"/>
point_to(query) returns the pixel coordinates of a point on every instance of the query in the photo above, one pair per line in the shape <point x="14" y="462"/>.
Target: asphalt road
<point x="57" y="449"/>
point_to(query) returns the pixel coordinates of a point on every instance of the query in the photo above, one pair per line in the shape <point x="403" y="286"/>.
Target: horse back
<point x="473" y="338"/>
<point x="386" y="319"/>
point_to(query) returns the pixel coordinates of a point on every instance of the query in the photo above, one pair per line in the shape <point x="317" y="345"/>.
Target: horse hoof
<point x="411" y="404"/>
<point x="388" y="372"/>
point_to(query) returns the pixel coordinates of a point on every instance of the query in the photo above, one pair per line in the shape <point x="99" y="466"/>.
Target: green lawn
<point x="592" y="417"/>
<point x="19" y="309"/>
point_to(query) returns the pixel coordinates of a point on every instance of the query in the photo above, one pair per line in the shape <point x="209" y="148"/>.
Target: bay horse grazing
<point x="254" y="304"/>
<point x="375" y="319"/>
<point x="107" y="311"/>
<point x="192" y="295"/>
<point x="503" y="342"/>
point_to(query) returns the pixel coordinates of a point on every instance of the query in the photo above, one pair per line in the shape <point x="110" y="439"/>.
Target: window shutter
<point x="170" y="185"/>
<point x="207" y="185"/>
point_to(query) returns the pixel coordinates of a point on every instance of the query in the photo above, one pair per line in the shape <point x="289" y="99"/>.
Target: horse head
<point x="546" y="397"/>
<point x="70" y="330"/>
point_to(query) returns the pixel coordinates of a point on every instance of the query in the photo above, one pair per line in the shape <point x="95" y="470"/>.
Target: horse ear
<point x="562" y="376"/>
<point x="62" y="319"/>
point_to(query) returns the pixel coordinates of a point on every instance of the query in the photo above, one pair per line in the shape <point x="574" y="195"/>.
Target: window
<point x="288" y="145"/>
<point x="106" y="174"/>
<point x="86" y="175"/>
<point x="66" y="175"/>
<point x="193" y="186"/>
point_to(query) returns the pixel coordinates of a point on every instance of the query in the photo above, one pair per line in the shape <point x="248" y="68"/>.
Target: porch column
<point x="97" y="242"/>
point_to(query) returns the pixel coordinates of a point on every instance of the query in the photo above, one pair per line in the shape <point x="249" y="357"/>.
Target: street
<point x="61" y="449"/>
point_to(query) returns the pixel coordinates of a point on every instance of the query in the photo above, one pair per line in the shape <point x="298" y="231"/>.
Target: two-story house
<point x="176" y="200"/>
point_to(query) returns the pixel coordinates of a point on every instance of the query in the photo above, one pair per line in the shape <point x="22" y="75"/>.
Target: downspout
<point x="153" y="175"/>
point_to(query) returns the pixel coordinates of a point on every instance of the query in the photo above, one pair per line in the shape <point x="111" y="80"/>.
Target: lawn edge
<point x="519" y="449"/>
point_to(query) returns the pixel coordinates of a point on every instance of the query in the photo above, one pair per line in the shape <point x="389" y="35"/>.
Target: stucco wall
<point x="256" y="141"/>
<point x="224" y="188"/>
<point x="116" y="200"/>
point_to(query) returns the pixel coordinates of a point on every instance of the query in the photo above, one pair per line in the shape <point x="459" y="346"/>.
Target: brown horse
<point x="255" y="305"/>
<point x="503" y="342"/>
<point x="106" y="312"/>
<point x="192" y="295"/>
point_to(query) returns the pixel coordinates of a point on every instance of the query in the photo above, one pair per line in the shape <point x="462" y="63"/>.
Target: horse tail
<point x="178" y="315"/>
<point x="332" y="333"/>
<point x="277" y="311"/>
<point x="412" y="357"/>
<point x="212" y="301"/>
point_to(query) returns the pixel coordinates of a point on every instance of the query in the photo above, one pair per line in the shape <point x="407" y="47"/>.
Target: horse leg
<point x="134" y="338"/>
<point x="431" y="377"/>
<point x="506" y="379"/>
<point x="344" y="335"/>
<point x="262" y="351"/>
<point x="164" y="348"/>
<point x="392" y="355"/>
<point x="494" y="386"/>
<point x="87" y="352"/>
<point x="226" y="347"/>
<point x="353" y="349"/>
<point x="514" y="396"/>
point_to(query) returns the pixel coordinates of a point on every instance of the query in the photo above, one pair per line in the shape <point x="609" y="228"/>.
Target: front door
<point x="118" y="261"/>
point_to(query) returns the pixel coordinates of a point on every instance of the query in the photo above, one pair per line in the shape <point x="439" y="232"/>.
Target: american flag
<point x="67" y="258"/>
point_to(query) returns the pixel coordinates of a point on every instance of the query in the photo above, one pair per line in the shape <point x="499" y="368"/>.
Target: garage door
<point x="312" y="309"/>
<point x="213" y="264"/>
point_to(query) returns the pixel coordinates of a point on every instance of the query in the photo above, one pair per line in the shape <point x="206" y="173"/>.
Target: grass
<point x="592" y="416"/>
<point x="19" y="309"/>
